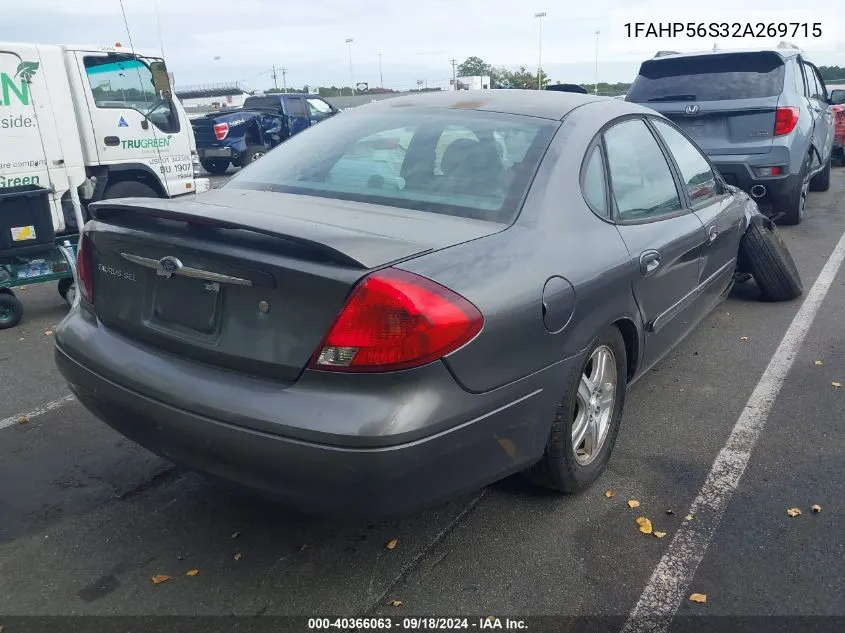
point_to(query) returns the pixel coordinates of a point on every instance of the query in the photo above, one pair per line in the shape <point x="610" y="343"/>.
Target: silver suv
<point x="763" y="117"/>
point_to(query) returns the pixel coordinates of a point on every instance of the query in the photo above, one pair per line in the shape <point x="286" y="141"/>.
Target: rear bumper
<point x="214" y="152"/>
<point x="740" y="174"/>
<point x="393" y="471"/>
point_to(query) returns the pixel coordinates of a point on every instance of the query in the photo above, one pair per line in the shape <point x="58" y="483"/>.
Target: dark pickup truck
<point x="238" y="137"/>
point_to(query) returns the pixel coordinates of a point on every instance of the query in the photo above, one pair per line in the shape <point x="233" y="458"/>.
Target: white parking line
<point x="670" y="581"/>
<point x="55" y="404"/>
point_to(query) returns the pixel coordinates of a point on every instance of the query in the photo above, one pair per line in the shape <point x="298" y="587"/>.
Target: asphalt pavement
<point x="87" y="518"/>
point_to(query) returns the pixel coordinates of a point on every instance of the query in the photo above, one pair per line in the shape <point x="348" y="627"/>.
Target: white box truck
<point x="89" y="123"/>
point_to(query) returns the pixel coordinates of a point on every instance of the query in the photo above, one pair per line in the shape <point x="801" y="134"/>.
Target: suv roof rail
<point x="785" y="44"/>
<point x="665" y="53"/>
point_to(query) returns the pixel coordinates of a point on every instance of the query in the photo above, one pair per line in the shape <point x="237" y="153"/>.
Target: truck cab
<point x="90" y="123"/>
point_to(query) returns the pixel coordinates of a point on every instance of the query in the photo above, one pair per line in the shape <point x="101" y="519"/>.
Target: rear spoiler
<point x="345" y="246"/>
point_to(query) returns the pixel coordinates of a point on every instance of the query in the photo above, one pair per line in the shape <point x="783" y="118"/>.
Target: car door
<point x="820" y="110"/>
<point x="721" y="213"/>
<point x="664" y="238"/>
<point x="318" y="110"/>
<point x="297" y="114"/>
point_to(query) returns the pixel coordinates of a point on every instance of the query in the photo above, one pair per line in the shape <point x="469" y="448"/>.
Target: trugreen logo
<point x="17" y="86"/>
<point x="145" y="143"/>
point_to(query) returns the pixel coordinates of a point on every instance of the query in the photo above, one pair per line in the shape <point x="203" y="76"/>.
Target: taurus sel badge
<point x="168" y="266"/>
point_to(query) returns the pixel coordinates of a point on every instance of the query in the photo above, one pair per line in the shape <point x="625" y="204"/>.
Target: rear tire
<point x="215" y="166"/>
<point x="252" y="154"/>
<point x="11" y="310"/>
<point x="767" y="258"/>
<point x="129" y="189"/>
<point x="821" y="181"/>
<point x="67" y="290"/>
<point x="793" y="204"/>
<point x="563" y="466"/>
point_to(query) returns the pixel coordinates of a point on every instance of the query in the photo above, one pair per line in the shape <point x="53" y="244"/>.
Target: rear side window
<point x="709" y="78"/>
<point x="699" y="179"/>
<point x="295" y="106"/>
<point x="464" y="163"/>
<point x="594" y="184"/>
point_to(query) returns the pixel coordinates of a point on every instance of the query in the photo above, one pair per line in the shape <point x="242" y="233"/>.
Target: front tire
<point x="129" y="189"/>
<point x="821" y="181"/>
<point x="587" y="419"/>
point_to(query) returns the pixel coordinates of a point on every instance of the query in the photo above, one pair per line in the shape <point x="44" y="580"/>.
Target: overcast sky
<point x="207" y="41"/>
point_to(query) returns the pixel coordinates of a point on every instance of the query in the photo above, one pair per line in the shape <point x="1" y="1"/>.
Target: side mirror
<point x="837" y="97"/>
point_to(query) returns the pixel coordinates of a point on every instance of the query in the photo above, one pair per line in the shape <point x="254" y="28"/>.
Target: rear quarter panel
<point x="504" y="274"/>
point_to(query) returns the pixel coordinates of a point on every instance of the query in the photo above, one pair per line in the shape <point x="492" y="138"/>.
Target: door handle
<point x="712" y="234"/>
<point x="649" y="262"/>
<point x="111" y="141"/>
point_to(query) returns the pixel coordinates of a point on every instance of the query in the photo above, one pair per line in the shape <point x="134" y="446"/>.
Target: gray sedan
<point x="413" y="300"/>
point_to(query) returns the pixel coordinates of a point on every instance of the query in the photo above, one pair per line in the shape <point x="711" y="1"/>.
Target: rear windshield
<point x="709" y="78"/>
<point x="462" y="163"/>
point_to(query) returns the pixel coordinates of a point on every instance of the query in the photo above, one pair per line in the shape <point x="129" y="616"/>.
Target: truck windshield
<point x="463" y="163"/>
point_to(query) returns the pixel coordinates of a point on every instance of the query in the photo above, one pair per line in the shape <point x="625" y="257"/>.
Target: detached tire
<point x="568" y="464"/>
<point x="11" y="310"/>
<point x="821" y="181"/>
<point x="129" y="189"/>
<point x="67" y="290"/>
<point x="215" y="166"/>
<point x="769" y="261"/>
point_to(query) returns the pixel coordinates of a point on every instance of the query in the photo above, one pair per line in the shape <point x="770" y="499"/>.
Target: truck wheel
<point x="67" y="290"/>
<point x="129" y="189"/>
<point x="767" y="258"/>
<point x="587" y="418"/>
<point x="215" y="166"/>
<point x="252" y="154"/>
<point x="793" y="204"/>
<point x="11" y="310"/>
<point x="821" y="181"/>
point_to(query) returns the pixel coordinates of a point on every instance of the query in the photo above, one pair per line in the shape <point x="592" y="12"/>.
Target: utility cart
<point x="30" y="251"/>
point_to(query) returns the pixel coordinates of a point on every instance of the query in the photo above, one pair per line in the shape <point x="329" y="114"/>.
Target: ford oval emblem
<point x="169" y="265"/>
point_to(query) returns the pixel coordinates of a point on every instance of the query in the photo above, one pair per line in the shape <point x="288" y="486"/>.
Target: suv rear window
<point x="709" y="78"/>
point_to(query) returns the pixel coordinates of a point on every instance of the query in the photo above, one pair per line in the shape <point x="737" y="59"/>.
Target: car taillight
<point x="221" y="130"/>
<point x="785" y="120"/>
<point x="85" y="268"/>
<point x="397" y="320"/>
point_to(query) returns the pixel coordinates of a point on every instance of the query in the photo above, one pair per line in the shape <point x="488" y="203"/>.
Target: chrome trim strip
<point x="186" y="271"/>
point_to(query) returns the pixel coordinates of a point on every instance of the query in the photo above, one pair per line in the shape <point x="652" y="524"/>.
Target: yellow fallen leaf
<point x="633" y="503"/>
<point x="192" y="572"/>
<point x="743" y="338"/>
<point x="645" y="526"/>
<point x="819" y="363"/>
<point x="816" y="508"/>
<point x="836" y="384"/>
<point x="238" y="556"/>
<point x="660" y="534"/>
<point x="23" y="420"/>
<point x="641" y="520"/>
<point x="160" y="578"/>
<point x="48" y="333"/>
<point x="391" y="543"/>
<point x="235" y="534"/>
<point x="698" y="597"/>
<point x="688" y="517"/>
<point x="794" y="512"/>
<point x="395" y="603"/>
<point x="609" y="494"/>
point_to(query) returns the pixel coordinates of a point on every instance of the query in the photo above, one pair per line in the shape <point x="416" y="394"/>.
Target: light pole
<point x="349" y="41"/>
<point x="540" y="16"/>
<point x="596" y="88"/>
<point x="380" y="74"/>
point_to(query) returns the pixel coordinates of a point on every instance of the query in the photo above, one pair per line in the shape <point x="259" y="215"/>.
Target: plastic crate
<point x="26" y="221"/>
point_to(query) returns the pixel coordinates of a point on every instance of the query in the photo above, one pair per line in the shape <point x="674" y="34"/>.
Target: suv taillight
<point x="397" y="320"/>
<point x="785" y="120"/>
<point x="85" y="268"/>
<point x="221" y="130"/>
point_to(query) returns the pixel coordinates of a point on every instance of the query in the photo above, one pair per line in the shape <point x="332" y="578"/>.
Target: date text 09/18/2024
<point x="417" y="624"/>
<point x="723" y="29"/>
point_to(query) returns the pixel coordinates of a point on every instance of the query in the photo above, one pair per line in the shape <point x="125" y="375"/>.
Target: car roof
<point x="545" y="104"/>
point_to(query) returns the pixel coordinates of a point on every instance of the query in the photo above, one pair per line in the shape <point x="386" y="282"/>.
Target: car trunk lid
<point x="245" y="280"/>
